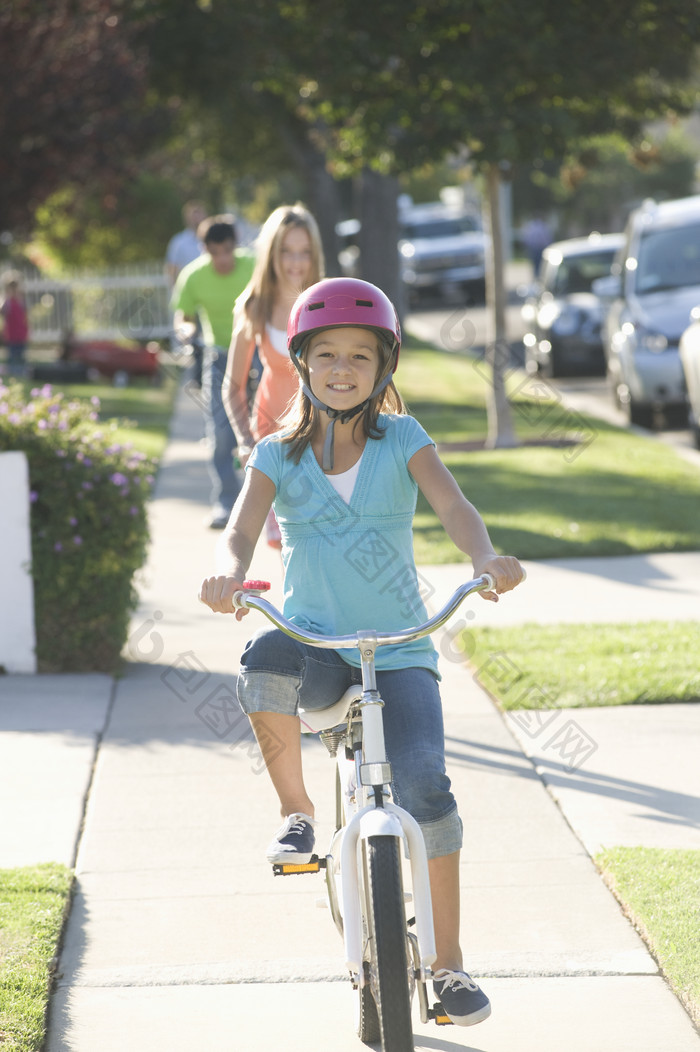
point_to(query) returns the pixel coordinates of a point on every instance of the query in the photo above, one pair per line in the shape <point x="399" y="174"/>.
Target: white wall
<point x="17" y="636"/>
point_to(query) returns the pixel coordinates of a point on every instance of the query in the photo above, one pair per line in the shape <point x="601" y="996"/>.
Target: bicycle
<point x="364" y="878"/>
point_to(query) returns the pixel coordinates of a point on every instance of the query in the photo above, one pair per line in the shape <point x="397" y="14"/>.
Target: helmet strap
<point x="338" y="414"/>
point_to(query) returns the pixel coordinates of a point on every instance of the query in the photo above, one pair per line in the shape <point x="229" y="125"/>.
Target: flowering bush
<point x="88" y="521"/>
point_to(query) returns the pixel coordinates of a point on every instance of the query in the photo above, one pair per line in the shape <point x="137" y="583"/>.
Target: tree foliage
<point x="511" y="79"/>
<point x="73" y="101"/>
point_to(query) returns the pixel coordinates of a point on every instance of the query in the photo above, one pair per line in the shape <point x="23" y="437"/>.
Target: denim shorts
<point x="279" y="674"/>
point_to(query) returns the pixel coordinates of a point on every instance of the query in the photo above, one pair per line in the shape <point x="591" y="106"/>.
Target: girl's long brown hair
<point x="301" y="420"/>
<point x="254" y="305"/>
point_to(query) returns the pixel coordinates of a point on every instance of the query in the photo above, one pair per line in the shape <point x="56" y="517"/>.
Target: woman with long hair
<point x="289" y="259"/>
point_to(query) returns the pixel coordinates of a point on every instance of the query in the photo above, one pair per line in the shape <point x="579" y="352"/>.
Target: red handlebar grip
<point x="257" y="586"/>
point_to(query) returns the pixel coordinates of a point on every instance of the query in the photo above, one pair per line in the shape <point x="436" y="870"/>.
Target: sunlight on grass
<point x="607" y="492"/>
<point x="660" y="892"/>
<point x="33" y="903"/>
<point x="614" y="664"/>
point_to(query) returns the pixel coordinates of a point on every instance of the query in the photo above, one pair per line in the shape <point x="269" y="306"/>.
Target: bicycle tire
<point x="389" y="981"/>
<point x="366" y="1017"/>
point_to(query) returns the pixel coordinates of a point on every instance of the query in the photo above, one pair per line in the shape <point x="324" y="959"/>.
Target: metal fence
<point x="129" y="302"/>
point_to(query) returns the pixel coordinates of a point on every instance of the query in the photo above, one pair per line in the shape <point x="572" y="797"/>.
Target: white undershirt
<point x="278" y="339"/>
<point x="344" y="483"/>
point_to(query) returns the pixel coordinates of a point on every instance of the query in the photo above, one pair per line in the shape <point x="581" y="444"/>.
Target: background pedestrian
<point x="208" y="287"/>
<point x="15" y="324"/>
<point x="289" y="259"/>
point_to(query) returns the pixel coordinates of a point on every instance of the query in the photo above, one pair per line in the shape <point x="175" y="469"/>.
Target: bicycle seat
<point x="316" y="720"/>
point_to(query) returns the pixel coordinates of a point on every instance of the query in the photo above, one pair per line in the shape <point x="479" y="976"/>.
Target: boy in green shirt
<point x="208" y="288"/>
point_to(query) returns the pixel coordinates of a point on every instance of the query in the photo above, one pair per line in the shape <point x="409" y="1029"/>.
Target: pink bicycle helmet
<point x="342" y="301"/>
<point x="329" y="304"/>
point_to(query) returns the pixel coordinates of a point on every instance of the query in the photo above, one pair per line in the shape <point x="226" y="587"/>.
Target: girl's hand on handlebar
<point x="506" y="572"/>
<point x="218" y="593"/>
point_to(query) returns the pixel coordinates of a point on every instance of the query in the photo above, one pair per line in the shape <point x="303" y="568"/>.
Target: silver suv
<point x="654" y="286"/>
<point x="442" y="252"/>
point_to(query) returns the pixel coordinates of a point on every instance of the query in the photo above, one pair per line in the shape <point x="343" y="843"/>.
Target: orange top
<point x="278" y="385"/>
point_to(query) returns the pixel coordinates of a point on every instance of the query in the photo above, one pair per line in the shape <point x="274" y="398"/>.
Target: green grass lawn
<point x="139" y="413"/>
<point x="33" y="904"/>
<point x="608" y="493"/>
<point x="577" y="666"/>
<point x="660" y="893"/>
<point x="142" y="409"/>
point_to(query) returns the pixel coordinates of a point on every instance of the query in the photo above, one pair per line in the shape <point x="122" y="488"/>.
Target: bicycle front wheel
<point x="387" y="943"/>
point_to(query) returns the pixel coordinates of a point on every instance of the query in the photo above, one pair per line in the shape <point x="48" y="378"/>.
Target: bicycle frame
<point x="370" y="814"/>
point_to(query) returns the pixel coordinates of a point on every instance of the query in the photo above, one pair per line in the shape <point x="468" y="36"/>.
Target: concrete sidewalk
<point x="180" y="938"/>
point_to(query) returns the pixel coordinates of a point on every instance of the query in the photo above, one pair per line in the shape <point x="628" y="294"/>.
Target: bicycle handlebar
<point x="407" y="635"/>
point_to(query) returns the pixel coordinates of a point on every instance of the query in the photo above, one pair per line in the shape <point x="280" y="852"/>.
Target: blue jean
<point x="226" y="484"/>
<point x="278" y="674"/>
<point x="16" y="357"/>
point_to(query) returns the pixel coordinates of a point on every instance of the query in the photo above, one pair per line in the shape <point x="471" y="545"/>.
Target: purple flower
<point x="58" y="547"/>
<point x="73" y="521"/>
<point x="33" y="496"/>
<point x="42" y="425"/>
<point x="77" y="540"/>
<point x="118" y="479"/>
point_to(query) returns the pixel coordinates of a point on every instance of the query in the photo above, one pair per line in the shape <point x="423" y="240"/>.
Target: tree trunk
<point x="324" y="202"/>
<point x="379" y="234"/>
<point x="322" y="196"/>
<point x="500" y="418"/>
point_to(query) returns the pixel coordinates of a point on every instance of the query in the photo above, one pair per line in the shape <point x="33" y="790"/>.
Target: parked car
<point x="112" y="359"/>
<point x="654" y="287"/>
<point x="442" y="252"/>
<point x="689" y="350"/>
<point x="562" y="314"/>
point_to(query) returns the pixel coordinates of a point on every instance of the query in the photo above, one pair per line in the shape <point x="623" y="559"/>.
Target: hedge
<point x="88" y="524"/>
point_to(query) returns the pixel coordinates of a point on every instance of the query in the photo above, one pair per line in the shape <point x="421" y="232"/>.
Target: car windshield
<point x="577" y="273"/>
<point x="451" y="227"/>
<point x="668" y="259"/>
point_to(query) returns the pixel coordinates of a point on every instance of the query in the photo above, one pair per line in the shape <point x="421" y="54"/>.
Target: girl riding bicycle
<point x="343" y="475"/>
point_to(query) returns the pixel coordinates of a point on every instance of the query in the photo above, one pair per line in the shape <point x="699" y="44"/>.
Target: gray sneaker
<point x="461" y="998"/>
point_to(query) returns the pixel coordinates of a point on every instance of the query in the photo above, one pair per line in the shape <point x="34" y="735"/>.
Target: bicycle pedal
<point x="438" y="1013"/>
<point x="291" y="869"/>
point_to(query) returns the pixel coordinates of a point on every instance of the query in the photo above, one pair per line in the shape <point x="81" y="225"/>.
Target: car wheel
<point x="639" y="413"/>
<point x="695" y="428"/>
<point x="476" y="293"/>
<point x="599" y="365"/>
<point x="554" y="367"/>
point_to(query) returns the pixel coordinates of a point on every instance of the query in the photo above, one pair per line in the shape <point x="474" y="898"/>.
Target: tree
<point x="72" y="102"/>
<point x="511" y="80"/>
<point x="227" y="66"/>
<point x="597" y="184"/>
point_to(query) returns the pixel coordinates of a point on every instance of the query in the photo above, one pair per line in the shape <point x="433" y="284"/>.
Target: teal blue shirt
<point x="351" y="566"/>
